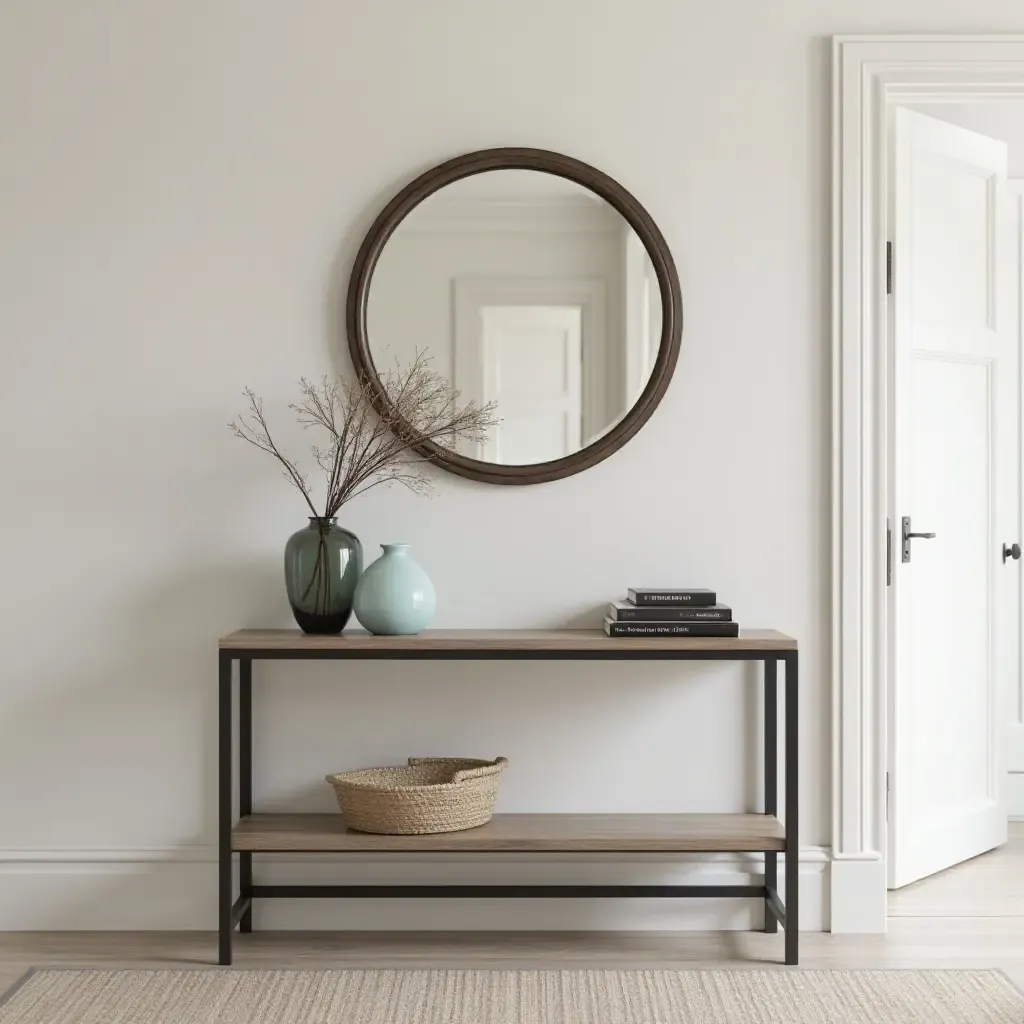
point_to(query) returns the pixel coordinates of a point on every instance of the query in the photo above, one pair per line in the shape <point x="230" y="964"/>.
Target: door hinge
<point x="888" y="268"/>
<point x="888" y="553"/>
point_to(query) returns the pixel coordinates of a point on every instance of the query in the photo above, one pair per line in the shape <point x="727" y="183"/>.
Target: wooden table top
<point x="458" y="640"/>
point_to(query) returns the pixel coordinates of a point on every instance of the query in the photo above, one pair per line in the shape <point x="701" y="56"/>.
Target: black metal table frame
<point x="238" y="912"/>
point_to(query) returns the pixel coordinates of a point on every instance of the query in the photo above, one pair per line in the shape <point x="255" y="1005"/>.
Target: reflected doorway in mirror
<point x="530" y="360"/>
<point x="537" y="348"/>
<point x="531" y="280"/>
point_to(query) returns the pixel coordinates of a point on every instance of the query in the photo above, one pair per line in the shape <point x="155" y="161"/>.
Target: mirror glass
<point x="527" y="290"/>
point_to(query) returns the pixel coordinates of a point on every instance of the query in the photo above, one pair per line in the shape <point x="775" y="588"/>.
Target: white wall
<point x="182" y="191"/>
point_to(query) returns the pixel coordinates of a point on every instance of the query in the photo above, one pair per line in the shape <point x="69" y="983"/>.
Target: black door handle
<point x="1011" y="552"/>
<point x="908" y="536"/>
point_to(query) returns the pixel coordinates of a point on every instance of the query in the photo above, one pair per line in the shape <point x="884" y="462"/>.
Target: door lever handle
<point x="908" y="536"/>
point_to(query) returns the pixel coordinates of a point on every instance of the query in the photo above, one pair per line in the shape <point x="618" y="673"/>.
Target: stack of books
<point x="656" y="611"/>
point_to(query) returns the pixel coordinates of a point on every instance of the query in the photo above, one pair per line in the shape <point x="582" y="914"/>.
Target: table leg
<point x="771" y="780"/>
<point x="245" y="780"/>
<point x="224" y="754"/>
<point x="792" y="810"/>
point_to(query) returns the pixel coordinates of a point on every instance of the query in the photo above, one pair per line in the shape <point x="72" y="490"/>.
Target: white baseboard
<point x="170" y="890"/>
<point x="858" y="895"/>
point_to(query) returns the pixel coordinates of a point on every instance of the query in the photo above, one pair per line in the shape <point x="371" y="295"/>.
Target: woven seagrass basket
<point x="432" y="794"/>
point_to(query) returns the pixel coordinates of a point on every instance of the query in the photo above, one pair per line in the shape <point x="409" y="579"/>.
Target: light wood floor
<point x="969" y="916"/>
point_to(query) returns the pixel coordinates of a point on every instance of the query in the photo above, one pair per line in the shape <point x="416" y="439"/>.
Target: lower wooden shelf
<point x="523" y="833"/>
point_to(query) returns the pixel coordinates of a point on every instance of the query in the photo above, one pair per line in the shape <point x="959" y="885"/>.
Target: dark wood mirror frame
<point x="511" y="158"/>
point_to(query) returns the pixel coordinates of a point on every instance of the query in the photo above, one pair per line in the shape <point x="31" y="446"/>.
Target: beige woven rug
<point x="789" y="995"/>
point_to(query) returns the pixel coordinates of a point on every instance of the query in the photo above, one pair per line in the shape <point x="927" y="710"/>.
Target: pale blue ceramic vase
<point x="395" y="596"/>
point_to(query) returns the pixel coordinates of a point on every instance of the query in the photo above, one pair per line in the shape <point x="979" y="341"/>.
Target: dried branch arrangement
<point x="364" y="448"/>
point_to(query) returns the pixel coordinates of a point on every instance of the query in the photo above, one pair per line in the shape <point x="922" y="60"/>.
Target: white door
<point x="954" y="420"/>
<point x="530" y="364"/>
<point x="1015" y="744"/>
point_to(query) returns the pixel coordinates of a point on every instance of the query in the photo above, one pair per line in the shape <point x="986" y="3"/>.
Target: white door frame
<point x="870" y="74"/>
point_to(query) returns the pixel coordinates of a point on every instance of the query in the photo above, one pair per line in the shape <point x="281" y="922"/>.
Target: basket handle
<point x="496" y="766"/>
<point x="464" y="774"/>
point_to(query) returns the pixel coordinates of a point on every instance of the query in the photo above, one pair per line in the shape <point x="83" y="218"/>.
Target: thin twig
<point x="367" y="448"/>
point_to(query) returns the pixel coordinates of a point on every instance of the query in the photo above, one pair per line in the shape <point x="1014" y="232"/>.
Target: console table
<point x="518" y="833"/>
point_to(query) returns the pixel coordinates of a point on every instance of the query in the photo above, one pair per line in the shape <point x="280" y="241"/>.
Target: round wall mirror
<point x="531" y="281"/>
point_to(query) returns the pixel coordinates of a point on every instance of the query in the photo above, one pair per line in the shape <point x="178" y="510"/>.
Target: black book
<point x="642" y="596"/>
<point x="624" y="611"/>
<point x="613" y="628"/>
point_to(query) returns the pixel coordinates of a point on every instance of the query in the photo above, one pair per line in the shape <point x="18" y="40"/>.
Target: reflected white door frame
<point x="531" y="362"/>
<point x="588" y="294"/>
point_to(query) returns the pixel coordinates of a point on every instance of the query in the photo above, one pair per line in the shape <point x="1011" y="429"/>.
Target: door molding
<point x="870" y="74"/>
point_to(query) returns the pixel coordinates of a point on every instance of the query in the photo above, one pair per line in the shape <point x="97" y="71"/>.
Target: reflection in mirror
<point x="529" y="291"/>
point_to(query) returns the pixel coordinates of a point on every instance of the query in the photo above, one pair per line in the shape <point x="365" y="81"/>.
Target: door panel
<point x="532" y="363"/>
<point x="946" y="701"/>
<point x="953" y="252"/>
<point x="954" y="419"/>
<point x="528" y="428"/>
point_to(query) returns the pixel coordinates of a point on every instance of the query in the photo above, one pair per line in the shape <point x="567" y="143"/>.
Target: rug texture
<point x="513" y="997"/>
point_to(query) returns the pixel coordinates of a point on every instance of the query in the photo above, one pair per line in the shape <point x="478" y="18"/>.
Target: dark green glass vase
<point x="322" y="565"/>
